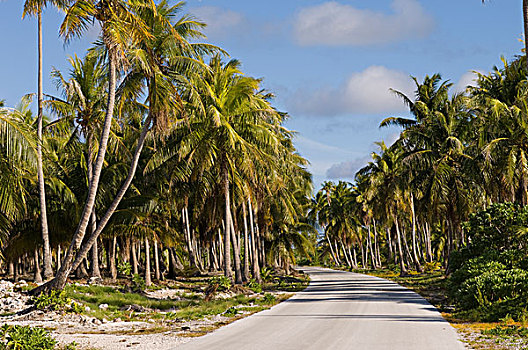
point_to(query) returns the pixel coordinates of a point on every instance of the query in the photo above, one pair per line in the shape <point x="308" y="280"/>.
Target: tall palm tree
<point x="120" y="28"/>
<point x="34" y="8"/>
<point x="159" y="62"/>
<point x="230" y="133"/>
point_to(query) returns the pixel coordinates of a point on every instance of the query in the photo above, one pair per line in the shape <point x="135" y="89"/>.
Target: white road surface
<point x="340" y="310"/>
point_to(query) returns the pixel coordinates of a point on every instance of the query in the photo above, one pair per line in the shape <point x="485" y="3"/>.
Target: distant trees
<point x="459" y="153"/>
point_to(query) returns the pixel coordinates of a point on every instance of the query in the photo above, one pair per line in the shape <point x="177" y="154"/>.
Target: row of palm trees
<point x="158" y="154"/>
<point x="460" y="152"/>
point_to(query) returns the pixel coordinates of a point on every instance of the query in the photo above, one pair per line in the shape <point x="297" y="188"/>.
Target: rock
<point x="103" y="306"/>
<point x="133" y="307"/>
<point x="104" y="320"/>
<point x="87" y="309"/>
<point x="95" y="280"/>
<point x="185" y="328"/>
<point x="118" y="319"/>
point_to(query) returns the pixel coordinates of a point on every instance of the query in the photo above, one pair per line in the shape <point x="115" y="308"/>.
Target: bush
<point x="219" y="283"/>
<point x="254" y="286"/>
<point x="266" y="274"/>
<point x="124" y="268"/>
<point x="490" y="275"/>
<point x="56" y="301"/>
<point x="491" y="287"/>
<point x="269" y="298"/>
<point x="138" y="283"/>
<point x="25" y="338"/>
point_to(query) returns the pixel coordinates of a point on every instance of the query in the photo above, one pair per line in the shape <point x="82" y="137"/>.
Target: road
<point x="340" y="310"/>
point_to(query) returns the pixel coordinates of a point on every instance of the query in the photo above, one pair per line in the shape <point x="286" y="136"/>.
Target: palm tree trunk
<point x="124" y="187"/>
<point x="236" y="253"/>
<point x="148" y="281"/>
<point x="156" y="261"/>
<point x="334" y="256"/>
<point x="112" y="245"/>
<point x="135" y="269"/>
<point x="414" y="247"/>
<point x="95" y="270"/>
<point x="345" y="253"/>
<point x="245" y="275"/>
<point x="190" y="250"/>
<point x="403" y="270"/>
<point x="227" y="232"/>
<point x="352" y="253"/>
<point x="389" y="243"/>
<point x="429" y="251"/>
<point x="48" y="271"/>
<point x="60" y="279"/>
<point x="254" y="262"/>
<point x="372" y="257"/>
<point x="37" y="277"/>
<point x="221" y="247"/>
<point x="376" y="245"/>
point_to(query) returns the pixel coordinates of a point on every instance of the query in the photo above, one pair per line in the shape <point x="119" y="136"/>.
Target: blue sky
<point x="330" y="63"/>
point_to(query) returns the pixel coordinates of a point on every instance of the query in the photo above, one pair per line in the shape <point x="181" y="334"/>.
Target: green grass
<point x="190" y="309"/>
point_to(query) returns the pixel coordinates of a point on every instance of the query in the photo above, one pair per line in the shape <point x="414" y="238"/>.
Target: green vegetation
<point x="158" y="158"/>
<point x="25" y="338"/>
<point x="189" y="303"/>
<point x="489" y="278"/>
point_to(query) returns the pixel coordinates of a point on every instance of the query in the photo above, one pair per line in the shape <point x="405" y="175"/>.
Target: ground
<point x="106" y="316"/>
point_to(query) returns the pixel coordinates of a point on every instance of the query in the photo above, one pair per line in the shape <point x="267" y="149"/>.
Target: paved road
<point x="340" y="310"/>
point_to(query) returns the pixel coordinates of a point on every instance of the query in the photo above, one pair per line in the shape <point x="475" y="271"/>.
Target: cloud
<point x="366" y="92"/>
<point x="335" y="24"/>
<point x="347" y="170"/>
<point x="467" y="79"/>
<point x="220" y="22"/>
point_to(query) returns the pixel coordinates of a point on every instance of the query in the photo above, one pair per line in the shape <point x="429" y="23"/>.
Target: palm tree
<point x="160" y="62"/>
<point x="34" y="8"/>
<point x="230" y="133"/>
<point x="120" y="28"/>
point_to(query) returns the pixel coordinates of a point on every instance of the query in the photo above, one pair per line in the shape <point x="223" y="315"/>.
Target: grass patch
<point x="187" y="309"/>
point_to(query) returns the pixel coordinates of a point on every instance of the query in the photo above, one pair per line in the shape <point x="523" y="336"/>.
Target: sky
<point x="329" y="63"/>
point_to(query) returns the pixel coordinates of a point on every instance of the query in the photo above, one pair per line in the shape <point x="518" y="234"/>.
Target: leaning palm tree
<point x="159" y="63"/>
<point x="34" y="8"/>
<point x="120" y="28"/>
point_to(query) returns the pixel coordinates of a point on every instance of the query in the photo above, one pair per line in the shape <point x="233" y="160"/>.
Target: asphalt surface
<point x="340" y="310"/>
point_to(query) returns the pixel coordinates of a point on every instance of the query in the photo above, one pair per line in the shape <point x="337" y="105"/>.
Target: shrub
<point x="254" y="286"/>
<point x="492" y="286"/>
<point x="219" y="283"/>
<point x="25" y="337"/>
<point x="124" y="268"/>
<point x="56" y="301"/>
<point x="269" y="298"/>
<point x="266" y="274"/>
<point x="138" y="283"/>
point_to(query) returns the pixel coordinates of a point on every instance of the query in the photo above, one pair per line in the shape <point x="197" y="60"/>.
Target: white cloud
<point x="366" y="92"/>
<point x="347" y="170"/>
<point x="335" y="24"/>
<point x="467" y="79"/>
<point x="220" y="22"/>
